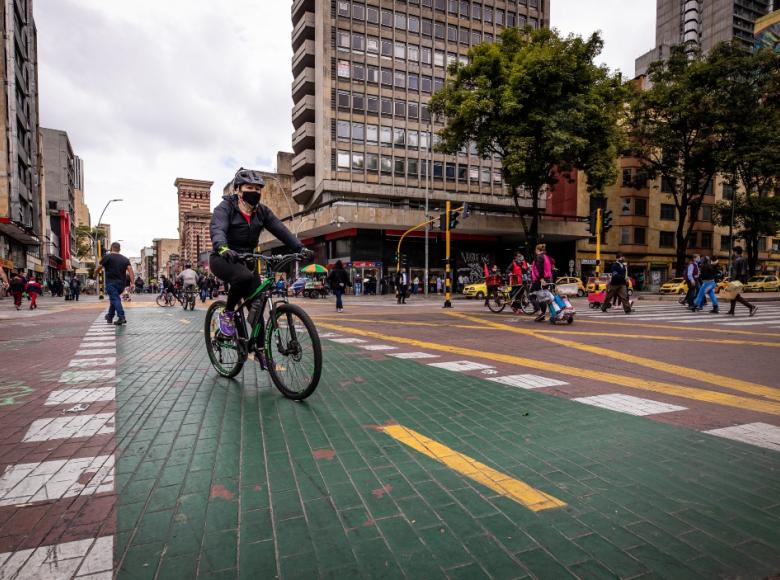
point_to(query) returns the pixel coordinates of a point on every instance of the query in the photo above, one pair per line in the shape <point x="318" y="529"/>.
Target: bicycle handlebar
<point x="276" y="261"/>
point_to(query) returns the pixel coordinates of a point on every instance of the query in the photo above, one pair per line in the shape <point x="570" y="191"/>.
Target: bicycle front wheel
<point x="161" y="300"/>
<point x="497" y="301"/>
<point x="224" y="352"/>
<point x="293" y="352"/>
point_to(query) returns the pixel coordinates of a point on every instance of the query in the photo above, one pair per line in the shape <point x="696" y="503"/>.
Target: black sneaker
<point x="120" y="321"/>
<point x="714" y="311"/>
<point x="753" y="311"/>
<point x="539" y="318"/>
<point x="109" y="320"/>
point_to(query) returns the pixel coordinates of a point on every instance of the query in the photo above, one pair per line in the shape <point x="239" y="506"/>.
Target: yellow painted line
<point x="679" y="370"/>
<point x="566" y="330"/>
<point x="696" y="394"/>
<point x="505" y="485"/>
<point x="688" y="328"/>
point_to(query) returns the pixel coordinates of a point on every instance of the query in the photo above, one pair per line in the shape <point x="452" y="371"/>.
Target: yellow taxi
<point x="762" y="284"/>
<point x="722" y="285"/>
<point x="600" y="284"/>
<point x="674" y="286"/>
<point x="475" y="290"/>
<point x="572" y="280"/>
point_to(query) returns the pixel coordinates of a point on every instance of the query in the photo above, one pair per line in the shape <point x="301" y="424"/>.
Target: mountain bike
<point x="281" y="335"/>
<point x="188" y="300"/>
<point x="518" y="297"/>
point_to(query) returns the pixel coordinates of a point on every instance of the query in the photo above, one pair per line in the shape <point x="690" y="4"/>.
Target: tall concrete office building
<point x="22" y="227"/>
<point x="364" y="72"/>
<point x="703" y="23"/>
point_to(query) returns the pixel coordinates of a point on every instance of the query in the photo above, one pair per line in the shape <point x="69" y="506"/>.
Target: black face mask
<point x="251" y="197"/>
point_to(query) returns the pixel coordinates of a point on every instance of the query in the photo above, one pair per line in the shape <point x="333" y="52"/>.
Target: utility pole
<point x="447" y="271"/>
<point x="428" y="177"/>
<point x="598" y="242"/>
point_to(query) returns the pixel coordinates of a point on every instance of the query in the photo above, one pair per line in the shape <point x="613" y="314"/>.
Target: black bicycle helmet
<point x="247" y="177"/>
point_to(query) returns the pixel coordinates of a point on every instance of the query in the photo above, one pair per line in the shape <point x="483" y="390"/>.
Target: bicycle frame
<point x="265" y="293"/>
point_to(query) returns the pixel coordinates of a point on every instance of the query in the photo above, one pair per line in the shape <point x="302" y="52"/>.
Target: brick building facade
<point x="194" y="218"/>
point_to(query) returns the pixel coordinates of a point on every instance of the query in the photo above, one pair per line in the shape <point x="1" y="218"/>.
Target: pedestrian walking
<point x="34" y="289"/>
<point x="541" y="273"/>
<point x="438" y="285"/>
<point x="402" y="286"/>
<point x="692" y="279"/>
<point x="709" y="272"/>
<point x="18" y="284"/>
<point x="4" y="282"/>
<point x="117" y="269"/>
<point x="739" y="273"/>
<point x="415" y="284"/>
<point x="75" y="288"/>
<point x="618" y="285"/>
<point x="339" y="281"/>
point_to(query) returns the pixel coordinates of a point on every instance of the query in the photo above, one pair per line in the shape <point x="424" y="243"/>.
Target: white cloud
<point x="149" y="91"/>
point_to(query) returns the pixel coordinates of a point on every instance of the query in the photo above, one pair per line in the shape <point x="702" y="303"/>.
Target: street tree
<point x="538" y="102"/>
<point x="754" y="216"/>
<point x="675" y="132"/>
<point x="749" y="106"/>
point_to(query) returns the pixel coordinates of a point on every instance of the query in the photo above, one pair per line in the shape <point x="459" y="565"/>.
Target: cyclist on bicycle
<point x="517" y="270"/>
<point x="236" y="226"/>
<point x="188" y="278"/>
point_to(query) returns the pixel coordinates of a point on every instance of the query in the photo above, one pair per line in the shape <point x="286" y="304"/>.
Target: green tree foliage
<point x="676" y="134"/>
<point x="84" y="241"/>
<point x="755" y="216"/>
<point x="538" y="102"/>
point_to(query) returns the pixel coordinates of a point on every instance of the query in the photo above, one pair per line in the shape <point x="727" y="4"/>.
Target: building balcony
<point x="303" y="163"/>
<point x="633" y="220"/>
<point x="303" y="84"/>
<point x="303" y="30"/>
<point x="299" y="7"/>
<point x="303" y="57"/>
<point x="303" y="138"/>
<point x="303" y="189"/>
<point x="303" y="111"/>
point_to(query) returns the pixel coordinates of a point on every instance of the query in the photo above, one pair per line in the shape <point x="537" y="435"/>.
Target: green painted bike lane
<point x="226" y="478"/>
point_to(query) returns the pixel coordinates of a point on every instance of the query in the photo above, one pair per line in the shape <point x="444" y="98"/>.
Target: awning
<point x="14" y="231"/>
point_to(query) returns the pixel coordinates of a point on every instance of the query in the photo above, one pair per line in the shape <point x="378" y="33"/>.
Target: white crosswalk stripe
<point x="91" y="559"/>
<point x="460" y="366"/>
<point x="82" y="395"/>
<point x="412" y="355"/>
<point x="527" y="381"/>
<point x="760" y="434"/>
<point x="70" y="427"/>
<point x="629" y="404"/>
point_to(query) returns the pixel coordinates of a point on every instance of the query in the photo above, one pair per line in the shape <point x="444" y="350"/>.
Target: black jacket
<point x="337" y="277"/>
<point x="230" y="228"/>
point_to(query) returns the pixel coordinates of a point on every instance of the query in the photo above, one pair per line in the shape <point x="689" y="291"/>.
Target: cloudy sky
<point x="149" y="91"/>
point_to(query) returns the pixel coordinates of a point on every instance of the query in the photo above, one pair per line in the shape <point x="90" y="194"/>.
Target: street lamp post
<point x="101" y="287"/>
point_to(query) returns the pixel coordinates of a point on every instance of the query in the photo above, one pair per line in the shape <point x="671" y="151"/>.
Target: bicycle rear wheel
<point x="161" y="300"/>
<point x="293" y="352"/>
<point x="225" y="352"/>
<point x="497" y="301"/>
<point x="524" y="300"/>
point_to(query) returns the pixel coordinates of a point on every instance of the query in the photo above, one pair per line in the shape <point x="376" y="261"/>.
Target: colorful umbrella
<point x="314" y="269"/>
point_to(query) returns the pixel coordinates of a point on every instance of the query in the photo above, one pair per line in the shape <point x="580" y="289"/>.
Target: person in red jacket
<point x="34" y="289"/>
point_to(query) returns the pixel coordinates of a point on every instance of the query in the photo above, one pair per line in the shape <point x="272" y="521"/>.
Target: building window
<point x="706" y="240"/>
<point x="625" y="235"/>
<point x="438" y="169"/>
<point x="510" y="19"/>
<point x="357" y="132"/>
<point x="627" y="177"/>
<point x="693" y="239"/>
<point x="387" y="106"/>
<point x="372" y="133"/>
<point x="640" y="206"/>
<point x="343" y="39"/>
<point x="387" y="18"/>
<point x="357" y="161"/>
<point x="358" y="72"/>
<point x="358" y="101"/>
<point x="640" y="236"/>
<point x="398" y="137"/>
<point x="666" y="184"/>
<point x="438" y="30"/>
<point x="373" y="105"/>
<point x="400" y="108"/>
<point x="449" y="171"/>
<point x="725" y="243"/>
<point x="386" y="135"/>
<point x="400" y="80"/>
<point x="412" y="110"/>
<point x="762" y="244"/>
<point x="425" y="55"/>
<point x="776" y="245"/>
<point x="372" y="15"/>
<point x="342" y="159"/>
<point x="358" y="42"/>
<point x="625" y="206"/>
<point x="372" y="162"/>
<point x="342" y="130"/>
<point x="400" y="50"/>
<point x="400" y="166"/>
<point x="668" y="212"/>
<point x="413" y="53"/>
<point x="342" y="99"/>
<point x="386" y="164"/>
<point x="411" y="167"/>
<point x="476" y="11"/>
<point x="412" y="138"/>
<point x="343" y="8"/>
<point x="666" y="239"/>
<point x="414" y="24"/>
<point x="387" y="48"/>
<point x="358" y="11"/>
<point x="414" y="82"/>
<point x="400" y="20"/>
<point x="728" y="191"/>
<point x="706" y="213"/>
<point x="373" y="75"/>
<point x="427" y="27"/>
<point x="387" y="77"/>
<point x="372" y="45"/>
<point x="343" y="69"/>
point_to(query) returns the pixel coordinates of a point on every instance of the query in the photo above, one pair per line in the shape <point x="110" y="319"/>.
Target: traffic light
<point x="466" y="211"/>
<point x="606" y="220"/>
<point x="454" y="219"/>
<point x="592" y="223"/>
<point x="443" y="221"/>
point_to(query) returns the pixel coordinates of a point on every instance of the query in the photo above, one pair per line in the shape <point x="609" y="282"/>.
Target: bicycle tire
<point x="526" y="306"/>
<point x="273" y="351"/>
<point x="497" y="301"/>
<point x="229" y="370"/>
<point x="161" y="301"/>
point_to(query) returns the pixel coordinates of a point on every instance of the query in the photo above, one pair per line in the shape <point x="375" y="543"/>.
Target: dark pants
<point x="17" y="298"/>
<point x="620" y="292"/>
<point x="241" y="280"/>
<point x="75" y="294"/>
<point x="339" y="292"/>
<point x="114" y="290"/>
<point x="538" y="306"/>
<point x="690" y="296"/>
<point x="402" y="289"/>
<point x="742" y="301"/>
